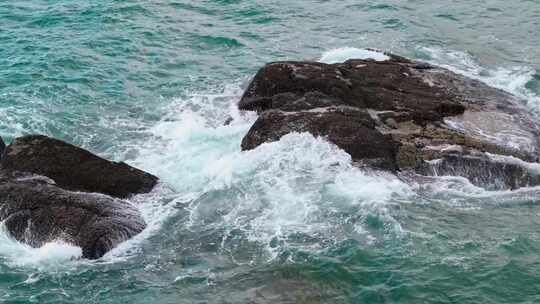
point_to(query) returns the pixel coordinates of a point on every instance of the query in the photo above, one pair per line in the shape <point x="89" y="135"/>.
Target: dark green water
<point x="151" y="82"/>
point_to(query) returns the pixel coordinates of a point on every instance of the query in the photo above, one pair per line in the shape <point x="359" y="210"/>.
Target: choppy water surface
<point x="151" y="82"/>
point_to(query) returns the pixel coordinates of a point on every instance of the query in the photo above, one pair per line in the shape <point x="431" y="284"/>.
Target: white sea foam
<point x="155" y="212"/>
<point x="512" y="79"/>
<point x="300" y="185"/>
<point x="183" y="150"/>
<point x="532" y="167"/>
<point x="50" y="255"/>
<point x="459" y="192"/>
<point x="343" y="54"/>
<point x="297" y="185"/>
<point x="362" y="188"/>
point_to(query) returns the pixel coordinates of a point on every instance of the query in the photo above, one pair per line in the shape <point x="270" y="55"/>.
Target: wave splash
<point x="298" y="193"/>
<point x="52" y="255"/>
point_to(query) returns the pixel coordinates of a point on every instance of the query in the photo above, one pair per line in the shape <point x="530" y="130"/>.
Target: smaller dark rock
<point x="35" y="212"/>
<point x="73" y="168"/>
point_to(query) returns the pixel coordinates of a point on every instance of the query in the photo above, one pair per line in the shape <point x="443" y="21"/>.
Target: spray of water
<point x="299" y="192"/>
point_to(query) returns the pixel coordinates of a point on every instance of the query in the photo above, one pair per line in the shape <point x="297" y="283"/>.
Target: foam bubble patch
<point x="293" y="193"/>
<point x="289" y="194"/>
<point x="343" y="54"/>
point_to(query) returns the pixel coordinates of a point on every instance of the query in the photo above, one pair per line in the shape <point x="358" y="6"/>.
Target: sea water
<point x="294" y="221"/>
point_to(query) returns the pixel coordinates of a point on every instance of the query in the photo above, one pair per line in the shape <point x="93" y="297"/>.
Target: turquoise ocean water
<point x="151" y="83"/>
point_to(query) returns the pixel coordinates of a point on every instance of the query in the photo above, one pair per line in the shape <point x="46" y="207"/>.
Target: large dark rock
<point x="36" y="211"/>
<point x="382" y="86"/>
<point x="73" y="168"/>
<point x="404" y="114"/>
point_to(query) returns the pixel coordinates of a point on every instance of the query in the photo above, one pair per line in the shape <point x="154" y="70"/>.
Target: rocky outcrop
<point x="73" y="168"/>
<point x="35" y="211"/>
<point x="400" y="115"/>
<point x="54" y="191"/>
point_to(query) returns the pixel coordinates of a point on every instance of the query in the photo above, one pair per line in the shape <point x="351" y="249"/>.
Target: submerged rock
<point x="51" y="190"/>
<point x="73" y="168"/>
<point x="399" y="114"/>
<point x="35" y="211"/>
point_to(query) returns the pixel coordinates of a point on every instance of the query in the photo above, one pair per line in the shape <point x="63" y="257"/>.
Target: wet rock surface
<point x="35" y="211"/>
<point x="349" y="128"/>
<point x="74" y="168"/>
<point x="400" y="115"/>
<point x="53" y="191"/>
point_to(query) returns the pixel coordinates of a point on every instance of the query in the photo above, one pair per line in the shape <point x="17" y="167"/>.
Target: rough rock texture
<point x="481" y="170"/>
<point x="51" y="191"/>
<point x="73" y="168"/>
<point x="349" y="128"/>
<point x="400" y="115"/>
<point x="36" y="211"/>
<point x="382" y="86"/>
